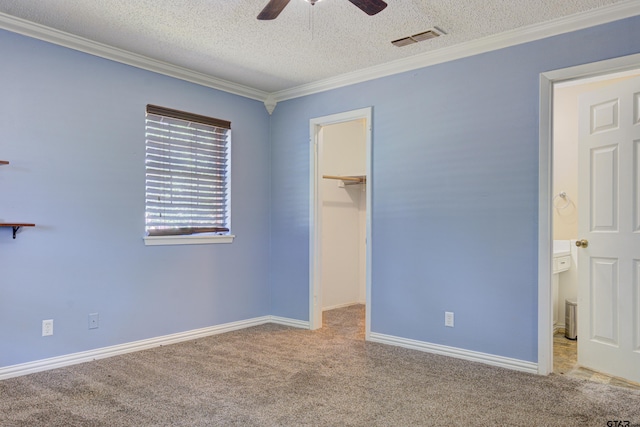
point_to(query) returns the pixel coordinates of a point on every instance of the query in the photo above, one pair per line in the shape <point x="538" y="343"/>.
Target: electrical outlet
<point x="93" y="320"/>
<point x="448" y="319"/>
<point x="47" y="327"/>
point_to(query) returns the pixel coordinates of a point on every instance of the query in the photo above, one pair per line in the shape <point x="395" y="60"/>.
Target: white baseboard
<point x="303" y="324"/>
<point x="104" y="352"/>
<point x="474" y="356"/>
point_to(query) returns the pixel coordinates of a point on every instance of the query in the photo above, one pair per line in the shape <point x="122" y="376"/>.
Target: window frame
<point x="200" y="237"/>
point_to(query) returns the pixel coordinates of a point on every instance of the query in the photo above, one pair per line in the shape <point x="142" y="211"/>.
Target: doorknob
<point x="582" y="243"/>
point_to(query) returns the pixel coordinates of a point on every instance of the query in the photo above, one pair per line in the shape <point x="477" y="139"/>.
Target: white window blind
<point x="187" y="173"/>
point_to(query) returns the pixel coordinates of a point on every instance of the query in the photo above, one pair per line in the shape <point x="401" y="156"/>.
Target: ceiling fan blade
<point x="370" y="7"/>
<point x="272" y="9"/>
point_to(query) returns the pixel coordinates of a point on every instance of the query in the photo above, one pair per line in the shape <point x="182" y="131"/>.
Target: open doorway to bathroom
<point x="564" y="212"/>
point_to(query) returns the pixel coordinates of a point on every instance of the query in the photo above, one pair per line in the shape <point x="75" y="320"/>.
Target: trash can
<point x="571" y="319"/>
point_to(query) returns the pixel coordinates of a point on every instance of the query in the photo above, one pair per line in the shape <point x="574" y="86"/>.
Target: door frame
<point x="315" y="210"/>
<point x="545" y="183"/>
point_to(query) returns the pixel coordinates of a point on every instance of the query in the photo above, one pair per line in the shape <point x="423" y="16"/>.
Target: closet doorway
<point x="340" y="207"/>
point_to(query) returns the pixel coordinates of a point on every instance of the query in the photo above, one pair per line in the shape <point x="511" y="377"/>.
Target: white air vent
<point x="426" y="35"/>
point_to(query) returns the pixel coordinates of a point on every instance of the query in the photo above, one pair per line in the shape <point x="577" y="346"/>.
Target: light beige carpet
<point x="274" y="375"/>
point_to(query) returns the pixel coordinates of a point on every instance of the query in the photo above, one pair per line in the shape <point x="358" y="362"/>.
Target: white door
<point x="609" y="220"/>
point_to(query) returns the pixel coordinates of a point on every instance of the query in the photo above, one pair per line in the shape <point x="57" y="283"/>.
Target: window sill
<point x="200" y="239"/>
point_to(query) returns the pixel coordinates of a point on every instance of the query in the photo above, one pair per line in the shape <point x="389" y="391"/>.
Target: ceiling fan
<point x="274" y="7"/>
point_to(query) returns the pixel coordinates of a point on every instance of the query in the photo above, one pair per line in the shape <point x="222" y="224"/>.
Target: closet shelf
<point x="348" y="179"/>
<point x="16" y="226"/>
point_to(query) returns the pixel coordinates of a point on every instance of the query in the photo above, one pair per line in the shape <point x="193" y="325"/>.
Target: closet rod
<point x="346" y="178"/>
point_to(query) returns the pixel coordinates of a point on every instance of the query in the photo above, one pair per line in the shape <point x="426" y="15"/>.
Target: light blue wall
<point x="72" y="126"/>
<point x="454" y="200"/>
<point x="455" y="188"/>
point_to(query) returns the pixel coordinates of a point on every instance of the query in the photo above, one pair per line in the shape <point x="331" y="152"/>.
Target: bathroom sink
<point x="561" y="255"/>
<point x="561" y="248"/>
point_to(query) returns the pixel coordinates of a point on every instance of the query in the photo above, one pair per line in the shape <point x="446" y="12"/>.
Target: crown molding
<point x="617" y="11"/>
<point x="41" y="32"/>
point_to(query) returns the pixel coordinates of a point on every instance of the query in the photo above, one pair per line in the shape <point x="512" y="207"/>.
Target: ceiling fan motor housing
<point x="274" y="7"/>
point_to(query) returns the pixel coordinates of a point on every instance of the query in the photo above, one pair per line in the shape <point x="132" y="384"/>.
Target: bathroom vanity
<point x="561" y="263"/>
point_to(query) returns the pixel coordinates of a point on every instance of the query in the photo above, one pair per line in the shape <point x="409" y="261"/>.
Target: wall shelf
<point x="16" y="226"/>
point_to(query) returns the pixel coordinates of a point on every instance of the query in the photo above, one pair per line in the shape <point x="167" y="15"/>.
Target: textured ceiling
<point x="223" y="38"/>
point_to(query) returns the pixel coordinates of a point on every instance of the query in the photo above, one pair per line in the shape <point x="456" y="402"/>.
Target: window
<point x="187" y="178"/>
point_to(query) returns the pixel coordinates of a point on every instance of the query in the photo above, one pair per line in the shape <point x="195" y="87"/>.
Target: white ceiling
<point x="305" y="44"/>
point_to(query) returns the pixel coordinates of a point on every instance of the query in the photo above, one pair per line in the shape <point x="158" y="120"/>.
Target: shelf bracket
<point x="15" y="226"/>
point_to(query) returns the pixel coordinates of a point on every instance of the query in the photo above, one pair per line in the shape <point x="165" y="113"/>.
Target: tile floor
<point x="565" y="362"/>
